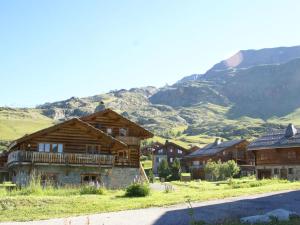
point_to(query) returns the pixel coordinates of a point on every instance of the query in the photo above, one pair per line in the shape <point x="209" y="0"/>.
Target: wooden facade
<point x="102" y="140"/>
<point x="277" y="154"/>
<point x="220" y="151"/>
<point x="283" y="163"/>
<point x="168" y="151"/>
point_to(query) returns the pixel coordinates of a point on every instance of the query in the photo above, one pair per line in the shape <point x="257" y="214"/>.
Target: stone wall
<point x="290" y="176"/>
<point x="115" y="177"/>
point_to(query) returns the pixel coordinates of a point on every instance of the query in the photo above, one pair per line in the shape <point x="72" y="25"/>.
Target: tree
<point x="175" y="170"/>
<point x="233" y="168"/>
<point x="212" y="169"/>
<point x="163" y="169"/>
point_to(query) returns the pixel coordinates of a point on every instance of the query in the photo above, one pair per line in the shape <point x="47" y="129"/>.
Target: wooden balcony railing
<point x="59" y="158"/>
<point x="129" y="140"/>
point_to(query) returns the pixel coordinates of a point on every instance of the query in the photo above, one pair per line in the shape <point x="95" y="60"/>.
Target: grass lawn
<point x="147" y="164"/>
<point x="53" y="203"/>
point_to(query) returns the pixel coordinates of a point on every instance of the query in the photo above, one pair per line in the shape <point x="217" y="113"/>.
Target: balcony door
<point x="93" y="149"/>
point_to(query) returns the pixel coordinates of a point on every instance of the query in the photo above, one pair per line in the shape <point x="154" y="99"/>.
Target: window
<point x="93" y="149"/>
<point x="196" y="163"/>
<point x="171" y="160"/>
<point x="41" y="147"/>
<point x="292" y="155"/>
<point x="171" y="149"/>
<point x="264" y="156"/>
<point x="60" y="148"/>
<point x="47" y="147"/>
<point x="123" y="132"/>
<point x="89" y="178"/>
<point x="291" y="171"/>
<point x="123" y="154"/>
<point x="160" y="151"/>
<point x="179" y="151"/>
<point x="276" y="171"/>
<point x="109" y="131"/>
<point x="54" y="148"/>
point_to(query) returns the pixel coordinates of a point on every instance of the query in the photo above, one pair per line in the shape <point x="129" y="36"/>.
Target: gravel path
<point x="209" y="211"/>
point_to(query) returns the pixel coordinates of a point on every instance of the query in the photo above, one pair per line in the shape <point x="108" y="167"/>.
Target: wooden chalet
<point x="277" y="154"/>
<point x="168" y="151"/>
<point x="223" y="151"/>
<point x="102" y="147"/>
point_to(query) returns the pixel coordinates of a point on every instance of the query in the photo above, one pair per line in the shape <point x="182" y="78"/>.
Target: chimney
<point x="290" y="131"/>
<point x="100" y="107"/>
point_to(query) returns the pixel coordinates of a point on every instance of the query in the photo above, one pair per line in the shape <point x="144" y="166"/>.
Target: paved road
<point x="210" y="211"/>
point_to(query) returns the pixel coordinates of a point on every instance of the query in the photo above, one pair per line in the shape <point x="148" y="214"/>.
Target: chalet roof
<point x="174" y="144"/>
<point x="289" y="137"/>
<point x="89" y="127"/>
<point x="147" y="134"/>
<point x="214" y="148"/>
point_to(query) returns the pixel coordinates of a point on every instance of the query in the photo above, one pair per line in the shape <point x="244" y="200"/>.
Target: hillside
<point x="243" y="96"/>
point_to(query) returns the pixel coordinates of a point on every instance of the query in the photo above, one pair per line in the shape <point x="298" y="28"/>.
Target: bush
<point x="137" y="190"/>
<point x="221" y="171"/>
<point x="163" y="169"/>
<point x="175" y="170"/>
<point x="151" y="176"/>
<point x="91" y="190"/>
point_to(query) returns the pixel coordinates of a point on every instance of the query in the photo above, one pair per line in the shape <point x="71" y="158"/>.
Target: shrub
<point x="163" y="169"/>
<point x="137" y="190"/>
<point x="221" y="171"/>
<point x="151" y="176"/>
<point x="175" y="170"/>
<point x="91" y="190"/>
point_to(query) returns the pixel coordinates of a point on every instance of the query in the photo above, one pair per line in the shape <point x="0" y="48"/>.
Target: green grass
<point x="15" y="123"/>
<point x="147" y="164"/>
<point x="52" y="203"/>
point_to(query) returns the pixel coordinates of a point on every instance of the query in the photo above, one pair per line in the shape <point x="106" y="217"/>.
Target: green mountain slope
<point x="15" y="123"/>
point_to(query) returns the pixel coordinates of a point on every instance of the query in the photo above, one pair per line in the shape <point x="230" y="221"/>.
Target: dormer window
<point x="123" y="132"/>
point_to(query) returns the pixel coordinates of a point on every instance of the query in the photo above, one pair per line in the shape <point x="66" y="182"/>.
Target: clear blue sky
<point x="52" y="50"/>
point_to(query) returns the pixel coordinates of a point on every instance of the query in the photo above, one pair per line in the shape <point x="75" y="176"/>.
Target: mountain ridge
<point x="257" y="92"/>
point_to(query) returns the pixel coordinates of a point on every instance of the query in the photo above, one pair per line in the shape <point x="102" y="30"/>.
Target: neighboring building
<point x="168" y="151"/>
<point x="102" y="147"/>
<point x="224" y="151"/>
<point x="277" y="154"/>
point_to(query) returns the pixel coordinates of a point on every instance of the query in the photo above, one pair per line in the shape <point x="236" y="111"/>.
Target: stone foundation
<point x="115" y="177"/>
<point x="295" y="169"/>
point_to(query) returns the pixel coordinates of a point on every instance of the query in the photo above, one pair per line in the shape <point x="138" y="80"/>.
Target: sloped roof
<point x="57" y="126"/>
<point x="214" y="148"/>
<point x="147" y="133"/>
<point x="176" y="145"/>
<point x="289" y="137"/>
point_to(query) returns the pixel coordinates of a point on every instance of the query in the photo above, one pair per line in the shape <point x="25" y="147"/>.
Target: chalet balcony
<point x="129" y="140"/>
<point x="59" y="158"/>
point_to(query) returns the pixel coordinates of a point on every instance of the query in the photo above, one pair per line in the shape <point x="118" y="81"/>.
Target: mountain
<point x="245" y="59"/>
<point x="242" y="96"/>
